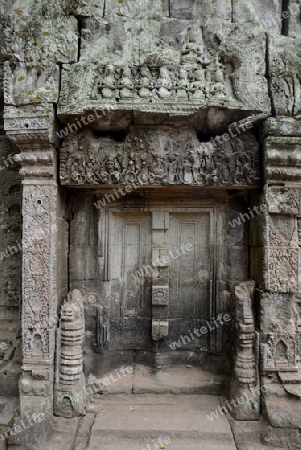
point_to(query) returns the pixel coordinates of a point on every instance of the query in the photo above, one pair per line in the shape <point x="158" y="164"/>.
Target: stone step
<point x="176" y="379"/>
<point x="169" y="442"/>
<point x="138" y="422"/>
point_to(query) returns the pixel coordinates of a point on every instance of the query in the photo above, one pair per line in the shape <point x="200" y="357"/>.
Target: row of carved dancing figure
<point x="162" y="82"/>
<point x="172" y="169"/>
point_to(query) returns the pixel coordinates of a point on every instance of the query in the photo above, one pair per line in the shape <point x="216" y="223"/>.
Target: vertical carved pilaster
<point x="39" y="256"/>
<point x="279" y="304"/>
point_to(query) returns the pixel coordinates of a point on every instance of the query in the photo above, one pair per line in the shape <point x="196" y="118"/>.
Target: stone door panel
<point x="190" y="276"/>
<point x="129" y="253"/>
<point x="137" y="278"/>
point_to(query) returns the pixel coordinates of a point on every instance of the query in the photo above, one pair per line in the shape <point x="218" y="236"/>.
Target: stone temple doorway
<point x="151" y="294"/>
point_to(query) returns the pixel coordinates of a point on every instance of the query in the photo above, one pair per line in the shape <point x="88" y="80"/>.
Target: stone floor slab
<point x="137" y="422"/>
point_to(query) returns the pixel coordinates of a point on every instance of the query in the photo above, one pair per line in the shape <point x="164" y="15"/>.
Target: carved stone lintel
<point x="159" y="157"/>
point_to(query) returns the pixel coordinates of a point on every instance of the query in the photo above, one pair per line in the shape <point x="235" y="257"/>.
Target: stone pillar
<point x="39" y="293"/>
<point x="280" y="310"/>
<point x="244" y="385"/>
<point x="70" y="383"/>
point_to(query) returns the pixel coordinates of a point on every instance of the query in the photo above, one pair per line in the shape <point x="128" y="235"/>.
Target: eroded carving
<point x="182" y="76"/>
<point x="279" y="352"/>
<point x="37" y="235"/>
<point x="153" y="158"/>
<point x="283" y="200"/>
<point x="283" y="269"/>
<point x="70" y="382"/>
<point x="246" y="375"/>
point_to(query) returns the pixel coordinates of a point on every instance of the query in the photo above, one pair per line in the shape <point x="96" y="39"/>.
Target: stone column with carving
<point x="35" y="45"/>
<point x="70" y="383"/>
<point x="245" y="391"/>
<point x="280" y="296"/>
<point x="39" y="254"/>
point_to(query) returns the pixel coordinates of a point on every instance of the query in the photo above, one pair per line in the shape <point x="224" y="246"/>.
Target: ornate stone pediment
<point x="176" y="76"/>
<point x="168" y="156"/>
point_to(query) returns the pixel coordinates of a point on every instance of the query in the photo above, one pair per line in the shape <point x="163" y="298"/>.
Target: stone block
<point x="160" y="295"/>
<point x="283" y="412"/>
<point x="159" y="329"/>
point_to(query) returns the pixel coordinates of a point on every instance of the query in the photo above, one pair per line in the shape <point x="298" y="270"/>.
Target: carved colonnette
<point x="70" y="383"/>
<point x="245" y="382"/>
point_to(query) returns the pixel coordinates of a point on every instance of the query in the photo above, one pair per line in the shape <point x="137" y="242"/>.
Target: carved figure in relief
<point x="126" y="85"/>
<point x="226" y="170"/>
<point x="159" y="169"/>
<point x="111" y="173"/>
<point x="160" y="162"/>
<point x="108" y="86"/>
<point x="182" y="85"/>
<point x="198" y="85"/>
<point x="187" y="170"/>
<point x="192" y="48"/>
<point x="164" y="83"/>
<point x="143" y="173"/>
<point x="145" y="83"/>
<point x="217" y="80"/>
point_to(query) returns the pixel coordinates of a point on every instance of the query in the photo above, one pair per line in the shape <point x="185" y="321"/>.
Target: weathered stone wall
<point x="197" y="65"/>
<point x="10" y="257"/>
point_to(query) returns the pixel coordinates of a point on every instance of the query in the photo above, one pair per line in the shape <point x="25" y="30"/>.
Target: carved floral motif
<point x="283" y="269"/>
<point x="37" y="289"/>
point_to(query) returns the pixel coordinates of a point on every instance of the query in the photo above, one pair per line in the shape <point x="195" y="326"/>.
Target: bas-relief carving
<point x="38" y="231"/>
<point x="284" y="68"/>
<point x="278" y="352"/>
<point x="191" y="73"/>
<point x="282" y="246"/>
<point x="283" y="200"/>
<point x="153" y="157"/>
<point x="283" y="269"/>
